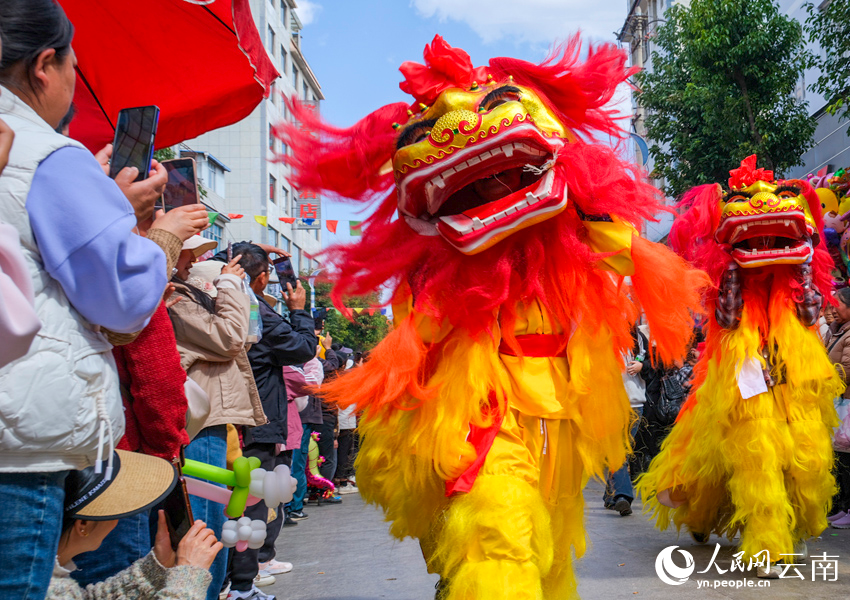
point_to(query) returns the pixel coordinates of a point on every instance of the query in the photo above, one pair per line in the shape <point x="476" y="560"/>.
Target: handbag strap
<point x="834" y="342"/>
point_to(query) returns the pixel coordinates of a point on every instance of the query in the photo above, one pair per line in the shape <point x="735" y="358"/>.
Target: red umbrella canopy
<point x="204" y="65"/>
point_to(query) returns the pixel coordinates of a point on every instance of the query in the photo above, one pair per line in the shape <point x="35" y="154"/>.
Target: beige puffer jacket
<point x="213" y="354"/>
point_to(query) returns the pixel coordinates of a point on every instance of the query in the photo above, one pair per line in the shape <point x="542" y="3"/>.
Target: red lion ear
<point x="444" y="67"/>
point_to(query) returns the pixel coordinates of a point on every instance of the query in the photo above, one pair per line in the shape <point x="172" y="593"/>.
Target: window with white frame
<point x="214" y="232"/>
<point x="295" y="78"/>
<point x="296" y="258"/>
<point x="272" y="189"/>
<point x="271" y="41"/>
<point x="283" y="13"/>
<point x="215" y="177"/>
<point x="282" y="61"/>
<point x="284" y="196"/>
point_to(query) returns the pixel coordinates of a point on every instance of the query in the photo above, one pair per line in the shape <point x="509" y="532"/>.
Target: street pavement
<point x="343" y="552"/>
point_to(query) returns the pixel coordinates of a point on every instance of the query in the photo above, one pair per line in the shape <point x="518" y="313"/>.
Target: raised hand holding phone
<point x="184" y="222"/>
<point x="295" y="298"/>
<point x="143" y="194"/>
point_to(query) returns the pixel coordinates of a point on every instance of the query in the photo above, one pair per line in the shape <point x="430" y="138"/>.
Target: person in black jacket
<point x="284" y="342"/>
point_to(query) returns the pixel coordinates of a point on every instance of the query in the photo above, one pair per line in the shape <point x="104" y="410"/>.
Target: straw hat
<point x="138" y="483"/>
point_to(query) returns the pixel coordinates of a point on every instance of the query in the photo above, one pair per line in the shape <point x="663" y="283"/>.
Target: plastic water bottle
<point x="255" y="325"/>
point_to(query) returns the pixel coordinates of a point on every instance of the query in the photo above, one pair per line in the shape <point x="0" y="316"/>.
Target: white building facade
<point x="235" y="163"/>
<point x="637" y="37"/>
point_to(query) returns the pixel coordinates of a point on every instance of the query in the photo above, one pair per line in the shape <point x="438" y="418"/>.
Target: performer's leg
<point x="561" y="482"/>
<point x="810" y="481"/>
<point x="757" y="447"/>
<point x="495" y="543"/>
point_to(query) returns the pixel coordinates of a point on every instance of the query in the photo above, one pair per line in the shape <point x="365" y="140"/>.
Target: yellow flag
<point x="262" y="220"/>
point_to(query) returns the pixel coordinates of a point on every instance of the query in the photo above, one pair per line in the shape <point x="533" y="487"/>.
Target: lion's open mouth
<point x="773" y="238"/>
<point x="485" y="193"/>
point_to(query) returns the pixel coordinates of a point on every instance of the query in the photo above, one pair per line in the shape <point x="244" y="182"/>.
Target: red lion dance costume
<point x="751" y="450"/>
<point x="499" y="391"/>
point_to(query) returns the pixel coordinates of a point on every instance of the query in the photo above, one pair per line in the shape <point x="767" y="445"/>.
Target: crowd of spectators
<point x="125" y="352"/>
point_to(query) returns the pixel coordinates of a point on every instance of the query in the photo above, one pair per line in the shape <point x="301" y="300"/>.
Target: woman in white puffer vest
<point x="60" y="407"/>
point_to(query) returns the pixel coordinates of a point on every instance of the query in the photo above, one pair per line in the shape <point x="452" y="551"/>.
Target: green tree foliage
<point x="830" y="28"/>
<point x="722" y="89"/>
<point x="166" y="153"/>
<point x="365" y="332"/>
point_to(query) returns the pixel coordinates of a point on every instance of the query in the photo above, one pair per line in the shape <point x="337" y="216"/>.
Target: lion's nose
<point x="456" y="122"/>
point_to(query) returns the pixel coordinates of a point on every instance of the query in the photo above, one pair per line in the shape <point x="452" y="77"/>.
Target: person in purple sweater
<point x="95" y="282"/>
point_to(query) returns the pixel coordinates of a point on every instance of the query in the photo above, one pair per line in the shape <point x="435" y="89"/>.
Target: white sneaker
<point x="252" y="594"/>
<point x="263" y="579"/>
<point x="348" y="489"/>
<point x="275" y="567"/>
<point x="224" y="593"/>
<point x="771" y="572"/>
<point x="801" y="549"/>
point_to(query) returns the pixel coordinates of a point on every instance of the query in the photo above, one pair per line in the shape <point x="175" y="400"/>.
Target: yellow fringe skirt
<point x="759" y="467"/>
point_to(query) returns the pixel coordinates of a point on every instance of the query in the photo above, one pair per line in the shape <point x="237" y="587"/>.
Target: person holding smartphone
<point x="284" y="342"/>
<point x="211" y="325"/>
<point x="90" y="274"/>
<point x="92" y="506"/>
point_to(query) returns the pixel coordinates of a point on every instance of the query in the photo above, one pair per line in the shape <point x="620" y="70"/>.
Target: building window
<point x="286" y="244"/>
<point x="296" y="258"/>
<point x="215" y="178"/>
<point x="284" y="196"/>
<point x="214" y="232"/>
<point x="283" y="13"/>
<point x="295" y="78"/>
<point x="271" y="41"/>
<point x="282" y="61"/>
<point x="274" y="237"/>
<point x="272" y="189"/>
<point x="271" y="137"/>
<point x="306" y="93"/>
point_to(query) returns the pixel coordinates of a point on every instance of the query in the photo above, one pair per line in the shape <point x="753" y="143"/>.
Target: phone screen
<point x="182" y="186"/>
<point x="134" y="137"/>
<point x="178" y="512"/>
<point x="285" y="272"/>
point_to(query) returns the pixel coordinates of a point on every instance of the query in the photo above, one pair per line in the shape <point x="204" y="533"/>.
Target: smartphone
<point x="182" y="186"/>
<point x="134" y="137"/>
<point x="285" y="272"/>
<point x="178" y="512"/>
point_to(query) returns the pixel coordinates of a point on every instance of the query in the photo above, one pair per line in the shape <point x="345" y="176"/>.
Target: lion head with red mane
<point x="483" y="185"/>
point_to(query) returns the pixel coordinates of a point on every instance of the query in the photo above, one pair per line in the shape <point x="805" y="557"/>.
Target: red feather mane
<point x="549" y="261"/>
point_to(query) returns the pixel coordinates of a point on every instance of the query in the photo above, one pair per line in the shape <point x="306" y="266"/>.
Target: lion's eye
<point x="737" y="198"/>
<point x="787" y="194"/>
<point x="415" y="133"/>
<point x="500" y="96"/>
